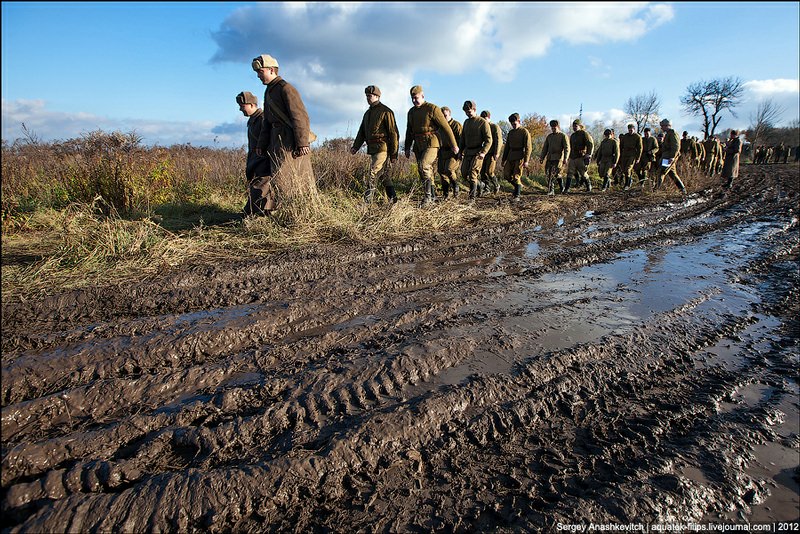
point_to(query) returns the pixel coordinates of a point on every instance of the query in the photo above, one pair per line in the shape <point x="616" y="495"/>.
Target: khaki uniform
<point x="256" y="165"/>
<point x="607" y="156"/>
<point x="646" y="162"/>
<point x="476" y="138"/>
<point x="670" y="151"/>
<point x="424" y="128"/>
<point x="688" y="152"/>
<point x="448" y="162"/>
<point x="490" y="161"/>
<point x="379" y="131"/>
<point x="630" y="150"/>
<point x="516" y="153"/>
<point x="581" y="145"/>
<point x="555" y="150"/>
<point x="712" y="149"/>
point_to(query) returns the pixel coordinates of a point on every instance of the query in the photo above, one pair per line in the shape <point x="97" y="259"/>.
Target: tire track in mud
<point x="375" y="403"/>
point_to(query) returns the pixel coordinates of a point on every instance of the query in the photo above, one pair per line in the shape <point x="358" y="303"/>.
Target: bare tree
<point x="763" y="120"/>
<point x="643" y="109"/>
<point x="710" y="98"/>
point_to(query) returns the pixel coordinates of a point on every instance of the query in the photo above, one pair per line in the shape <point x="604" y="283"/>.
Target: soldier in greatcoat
<point x="379" y="131"/>
<point x="648" y="158"/>
<point x="733" y="148"/>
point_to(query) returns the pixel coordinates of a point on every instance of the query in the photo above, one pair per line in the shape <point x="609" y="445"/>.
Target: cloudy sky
<point x="170" y="70"/>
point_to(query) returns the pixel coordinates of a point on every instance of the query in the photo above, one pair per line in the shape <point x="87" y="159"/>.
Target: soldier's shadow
<point x="185" y="216"/>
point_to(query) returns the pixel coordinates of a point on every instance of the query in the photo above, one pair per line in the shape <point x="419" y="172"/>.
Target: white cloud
<point x="334" y="50"/>
<point x="47" y="125"/>
<point x="767" y="88"/>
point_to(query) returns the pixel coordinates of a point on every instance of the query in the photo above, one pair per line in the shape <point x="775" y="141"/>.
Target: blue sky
<point x="170" y="70"/>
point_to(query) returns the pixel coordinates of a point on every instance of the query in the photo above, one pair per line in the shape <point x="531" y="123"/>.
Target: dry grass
<point x="102" y="209"/>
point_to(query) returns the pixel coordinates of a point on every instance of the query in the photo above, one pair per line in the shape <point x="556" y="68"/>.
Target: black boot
<point x="588" y="184"/>
<point x="481" y="187"/>
<point x="428" y="193"/>
<point x="455" y="189"/>
<point x="628" y="183"/>
<point x="560" y="185"/>
<point x="606" y="183"/>
<point x="390" y="192"/>
<point x="567" y="183"/>
<point x="445" y="189"/>
<point x="517" y="192"/>
<point x="473" y="191"/>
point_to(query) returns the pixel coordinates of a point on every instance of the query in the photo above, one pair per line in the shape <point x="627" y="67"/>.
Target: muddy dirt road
<point x="629" y="361"/>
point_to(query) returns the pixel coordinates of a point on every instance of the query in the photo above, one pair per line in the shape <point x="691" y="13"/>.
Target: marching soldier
<point x="448" y="162"/>
<point x="475" y="143"/>
<point x="256" y="165"/>
<point x="379" y="130"/>
<point x="670" y="153"/>
<point x="425" y="125"/>
<point x="648" y="158"/>
<point x="581" y="147"/>
<point x="607" y="155"/>
<point x="630" y="150"/>
<point x="490" y="161"/>
<point x="516" y="154"/>
<point x="556" y="152"/>
<point x="733" y="148"/>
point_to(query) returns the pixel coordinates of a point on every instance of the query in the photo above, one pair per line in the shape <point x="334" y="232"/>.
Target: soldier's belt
<point x="377" y="140"/>
<point x="424" y="134"/>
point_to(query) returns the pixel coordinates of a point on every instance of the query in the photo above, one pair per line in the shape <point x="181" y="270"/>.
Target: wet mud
<point x="630" y="360"/>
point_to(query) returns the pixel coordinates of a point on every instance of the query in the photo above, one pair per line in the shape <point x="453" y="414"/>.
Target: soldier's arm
<point x="438" y="117"/>
<point x="409" y="134"/>
<point x="360" y="136"/>
<point x="486" y="133"/>
<point x="392" y="135"/>
<point x="298" y="115"/>
<point x="545" y="148"/>
<point x="567" y="148"/>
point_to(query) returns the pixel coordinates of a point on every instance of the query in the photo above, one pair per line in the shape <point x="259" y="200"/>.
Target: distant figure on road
<point x="379" y="130"/>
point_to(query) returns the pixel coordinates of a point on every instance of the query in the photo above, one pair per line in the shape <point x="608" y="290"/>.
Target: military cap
<point x="513" y="117"/>
<point x="445" y="108"/>
<point x="485" y="114"/>
<point x="607" y="131"/>
<point x="468" y="104"/>
<point x="372" y="90"/>
<point x="665" y="122"/>
<point x="553" y="122"/>
<point x="577" y="121"/>
<point x="246" y="97"/>
<point x="631" y="125"/>
<point x="417" y="89"/>
<point x="647" y="129"/>
<point x="264" y="61"/>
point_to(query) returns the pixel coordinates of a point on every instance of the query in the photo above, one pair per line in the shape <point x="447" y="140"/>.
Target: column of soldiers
<point x="439" y="141"/>
<point x="763" y="155"/>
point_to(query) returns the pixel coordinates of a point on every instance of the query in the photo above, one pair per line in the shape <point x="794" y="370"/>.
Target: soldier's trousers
<point x="709" y="165"/>
<point x="487" y="172"/>
<point x="425" y="161"/>
<point x="512" y="172"/>
<point x="576" y="168"/>
<point x="642" y="168"/>
<point x="552" y="169"/>
<point x="604" y="168"/>
<point x="471" y="168"/>
<point x="626" y="164"/>
<point x="448" y="167"/>
<point x="670" y="172"/>
<point x="378" y="172"/>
